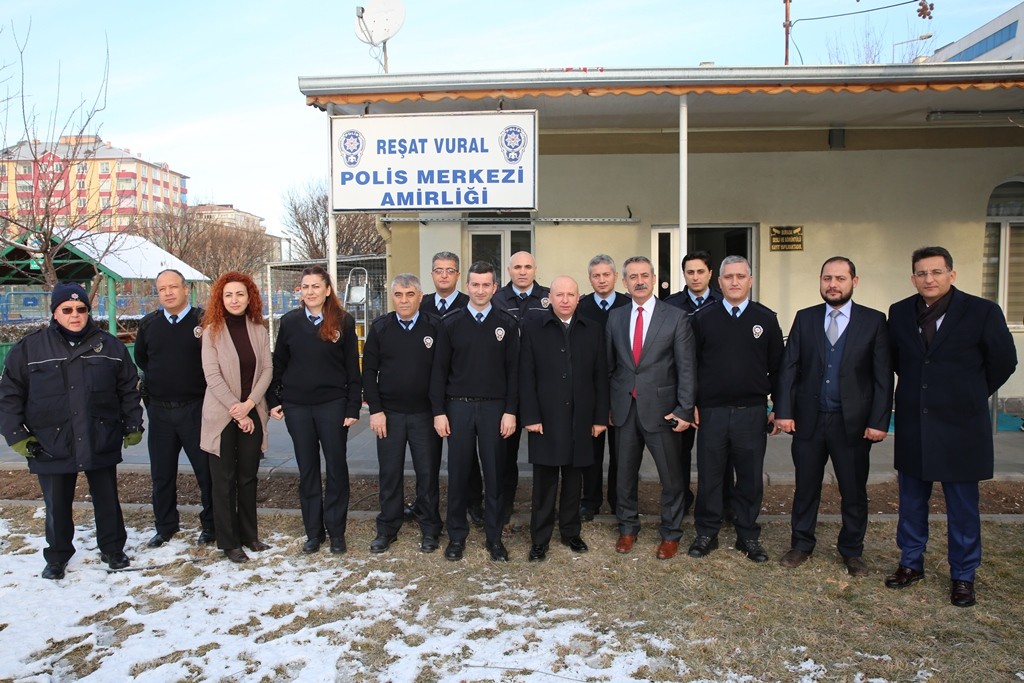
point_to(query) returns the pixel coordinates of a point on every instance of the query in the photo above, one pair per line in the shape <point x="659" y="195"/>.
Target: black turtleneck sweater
<point x="246" y="355"/>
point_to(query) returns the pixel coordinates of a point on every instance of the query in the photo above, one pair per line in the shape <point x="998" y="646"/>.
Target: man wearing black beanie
<point x="69" y="402"/>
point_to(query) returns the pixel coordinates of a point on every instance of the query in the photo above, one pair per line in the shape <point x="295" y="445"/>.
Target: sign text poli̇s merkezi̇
<point x="477" y="179"/>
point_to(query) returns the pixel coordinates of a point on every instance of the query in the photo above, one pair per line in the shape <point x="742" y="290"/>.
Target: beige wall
<point x="874" y="207"/>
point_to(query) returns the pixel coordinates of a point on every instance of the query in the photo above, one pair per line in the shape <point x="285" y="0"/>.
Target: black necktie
<point x="442" y="307"/>
<point x="700" y="300"/>
<point x="604" y="305"/>
<point x="524" y="296"/>
<point x="174" y="318"/>
<point x="735" y="311"/>
<point x="407" y="324"/>
<point x="479" y="317"/>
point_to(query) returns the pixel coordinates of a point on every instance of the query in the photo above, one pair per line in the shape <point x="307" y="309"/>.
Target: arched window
<point x="1003" y="273"/>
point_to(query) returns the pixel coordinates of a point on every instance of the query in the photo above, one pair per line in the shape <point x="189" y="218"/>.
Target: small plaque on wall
<point x="787" y="237"/>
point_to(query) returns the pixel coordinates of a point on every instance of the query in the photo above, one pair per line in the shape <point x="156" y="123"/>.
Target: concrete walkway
<point x="362" y="457"/>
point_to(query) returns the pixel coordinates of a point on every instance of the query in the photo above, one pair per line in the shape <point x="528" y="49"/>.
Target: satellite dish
<point x="379" y="20"/>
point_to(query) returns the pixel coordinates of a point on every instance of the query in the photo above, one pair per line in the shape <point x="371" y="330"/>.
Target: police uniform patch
<point x="758" y="331"/>
<point x="499" y="333"/>
<point x="74" y="296"/>
<point x="197" y="331"/>
<point x="97" y="347"/>
<point x="545" y="302"/>
<point x="428" y="341"/>
<point x="336" y="337"/>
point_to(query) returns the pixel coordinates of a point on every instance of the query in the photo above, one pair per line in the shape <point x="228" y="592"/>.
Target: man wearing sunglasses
<point x="69" y="402"/>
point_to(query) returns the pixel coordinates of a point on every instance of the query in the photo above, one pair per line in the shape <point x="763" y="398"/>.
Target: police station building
<point x="784" y="165"/>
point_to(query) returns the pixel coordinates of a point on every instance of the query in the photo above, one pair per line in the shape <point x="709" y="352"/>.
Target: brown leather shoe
<point x="903" y="577"/>
<point x="856" y="566"/>
<point x="625" y="543"/>
<point x="256" y="546"/>
<point x="961" y="594"/>
<point x="236" y="555"/>
<point x="667" y="550"/>
<point x="794" y="558"/>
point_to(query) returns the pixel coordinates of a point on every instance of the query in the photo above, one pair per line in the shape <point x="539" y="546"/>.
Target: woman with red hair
<point x="319" y="388"/>
<point x="238" y="369"/>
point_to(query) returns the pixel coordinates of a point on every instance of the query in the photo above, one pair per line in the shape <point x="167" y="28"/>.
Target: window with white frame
<point x="1003" y="269"/>
<point x="83" y="168"/>
<point x="25" y="169"/>
<point x="104" y="167"/>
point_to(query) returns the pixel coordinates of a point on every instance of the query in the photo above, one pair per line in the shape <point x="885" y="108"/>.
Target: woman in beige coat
<point x="238" y="369"/>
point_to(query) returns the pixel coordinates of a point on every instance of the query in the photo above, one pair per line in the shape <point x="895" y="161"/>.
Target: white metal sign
<point x="464" y="160"/>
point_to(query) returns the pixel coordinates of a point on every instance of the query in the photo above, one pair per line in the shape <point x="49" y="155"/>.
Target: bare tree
<point x="306" y="220"/>
<point x="50" y="214"/>
<point x="209" y="246"/>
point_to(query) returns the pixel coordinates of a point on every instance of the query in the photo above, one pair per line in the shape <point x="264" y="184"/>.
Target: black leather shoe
<point x="236" y="555"/>
<point x="257" y="545"/>
<point x="381" y="543"/>
<point x="476" y="514"/>
<point x="159" y="539"/>
<point x="903" y="577"/>
<point x="752" y="549"/>
<point x="54" y="570"/>
<point x="856" y="566"/>
<point x="116" y="560"/>
<point x="537" y="553"/>
<point x="961" y="594"/>
<point x="794" y="558"/>
<point x="576" y="544"/>
<point x="311" y="546"/>
<point x="429" y="544"/>
<point x="207" y="536"/>
<point x="586" y="514"/>
<point x="455" y="550"/>
<point x="702" y="546"/>
<point x="498" y="551"/>
<point x="338" y="546"/>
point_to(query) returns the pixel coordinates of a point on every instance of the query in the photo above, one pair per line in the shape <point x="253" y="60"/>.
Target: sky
<point x="211" y="88"/>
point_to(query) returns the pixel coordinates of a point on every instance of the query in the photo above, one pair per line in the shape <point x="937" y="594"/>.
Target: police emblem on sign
<point x="428" y="341"/>
<point x="197" y="331"/>
<point x="351" y="146"/>
<point x="545" y="302"/>
<point x="499" y="333"/>
<point x="513" y="143"/>
<point x="758" y="331"/>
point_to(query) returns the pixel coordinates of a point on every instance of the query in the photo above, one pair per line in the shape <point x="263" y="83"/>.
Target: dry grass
<point x="717" y="618"/>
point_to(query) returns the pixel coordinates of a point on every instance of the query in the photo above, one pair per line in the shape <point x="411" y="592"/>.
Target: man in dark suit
<point x="651" y="364"/>
<point x="519" y="297"/>
<point x="444" y="271"/>
<point x="596" y="307"/>
<point x="697" y="294"/>
<point x="835" y="397"/>
<point x="563" y="398"/>
<point x="951" y="351"/>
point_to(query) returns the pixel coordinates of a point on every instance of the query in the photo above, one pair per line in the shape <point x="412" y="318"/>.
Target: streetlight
<point x="923" y="36"/>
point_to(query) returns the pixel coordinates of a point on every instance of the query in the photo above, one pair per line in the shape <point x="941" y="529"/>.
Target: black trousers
<point x="593" y="476"/>
<point x="475" y="428"/>
<point x="312" y="427"/>
<point x="170" y="430"/>
<point x="736" y="434"/>
<point x="234" y="484"/>
<point x="510" y="475"/>
<point x="728" y="481"/>
<point x="417" y="431"/>
<point x="850" y="460"/>
<point x="59" y="496"/>
<point x="664" y="447"/>
<point x="545" y="493"/>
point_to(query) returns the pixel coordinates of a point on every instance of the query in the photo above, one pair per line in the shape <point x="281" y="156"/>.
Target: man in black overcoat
<point x="951" y="351"/>
<point x="563" y="401"/>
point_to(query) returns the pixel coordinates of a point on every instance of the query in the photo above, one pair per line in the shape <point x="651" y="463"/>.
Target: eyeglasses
<point x="937" y="273"/>
<point x="68" y="310"/>
<point x="442" y="271"/>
